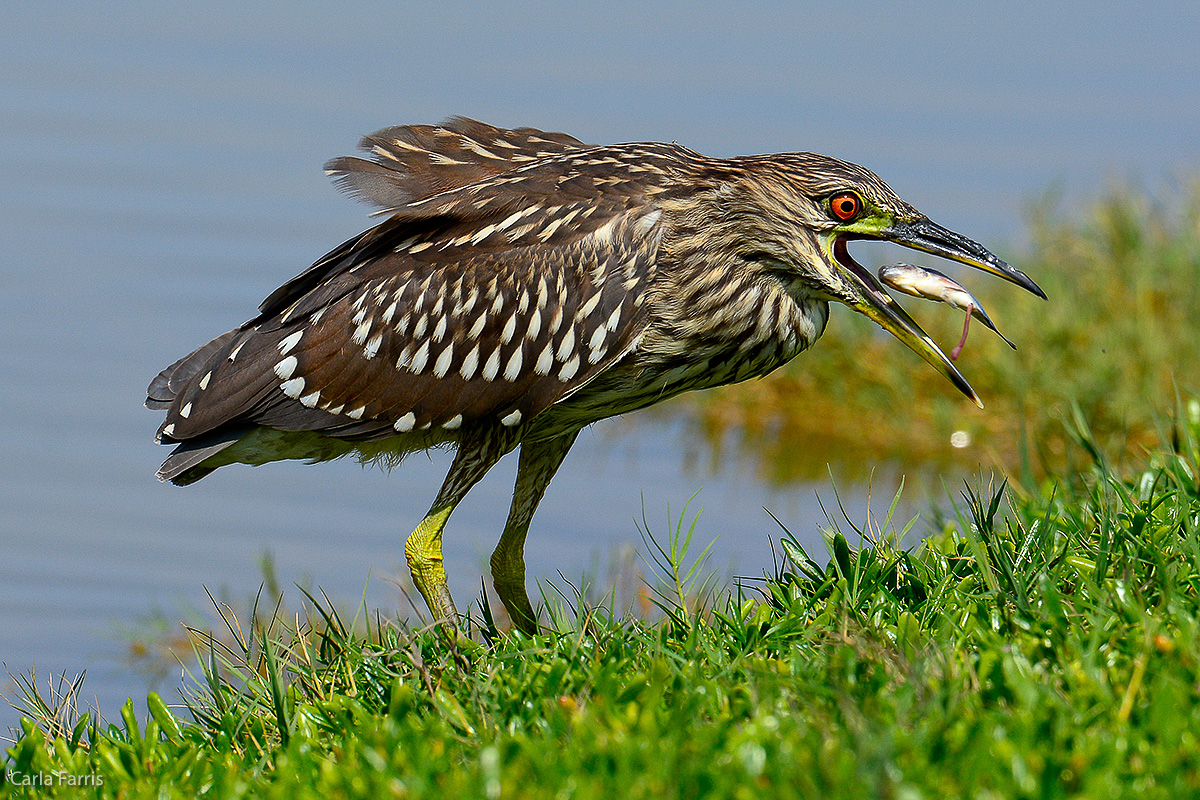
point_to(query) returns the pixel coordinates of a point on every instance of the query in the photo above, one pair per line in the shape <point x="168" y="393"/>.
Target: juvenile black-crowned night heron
<point x="524" y="285"/>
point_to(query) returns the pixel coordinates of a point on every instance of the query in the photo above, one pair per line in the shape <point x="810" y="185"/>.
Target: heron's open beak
<point x="878" y="305"/>
<point x="929" y="237"/>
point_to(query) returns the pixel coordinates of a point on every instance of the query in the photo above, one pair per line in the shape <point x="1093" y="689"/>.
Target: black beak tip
<point x="1033" y="287"/>
<point x="966" y="389"/>
<point x="1020" y="278"/>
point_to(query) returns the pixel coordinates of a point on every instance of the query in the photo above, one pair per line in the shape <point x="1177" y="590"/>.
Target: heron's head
<point x="812" y="205"/>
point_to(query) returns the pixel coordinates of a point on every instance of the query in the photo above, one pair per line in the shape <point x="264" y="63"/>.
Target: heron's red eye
<point x="845" y="206"/>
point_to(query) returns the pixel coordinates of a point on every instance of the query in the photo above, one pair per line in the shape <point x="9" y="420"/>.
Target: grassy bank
<point x="1042" y="642"/>
<point x="1045" y="643"/>
<point x="1118" y="338"/>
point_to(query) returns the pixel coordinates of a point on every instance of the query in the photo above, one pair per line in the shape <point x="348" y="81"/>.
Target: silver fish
<point x="933" y="285"/>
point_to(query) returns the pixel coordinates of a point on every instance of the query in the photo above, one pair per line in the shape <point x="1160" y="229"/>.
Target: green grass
<point x="1118" y="338"/>
<point x="1043" y="642"/>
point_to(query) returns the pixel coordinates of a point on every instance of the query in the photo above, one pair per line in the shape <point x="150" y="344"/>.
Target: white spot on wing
<point x="286" y="367"/>
<point x="483" y="233"/>
<point x="545" y="360"/>
<point x="442" y="365"/>
<point x="545" y="234"/>
<point x="513" y="370"/>
<point x="373" y="346"/>
<point x="356" y="413"/>
<point x="420" y="357"/>
<point x="361" y="332"/>
<point x="293" y="388"/>
<point x="470" y="363"/>
<point x="204" y="381"/>
<point x="588" y="307"/>
<point x="567" y="345"/>
<point x="405" y="357"/>
<point x="310" y="400"/>
<point x="453" y="422"/>
<point x="512" y="219"/>
<point x="511" y="419"/>
<point x="405" y="423"/>
<point x="286" y="345"/>
<point x="571" y="215"/>
<point x="186" y="411"/>
<point x="492" y="367"/>
<point x="510" y="328"/>
<point x="469" y="304"/>
<point x="603" y="235"/>
<point x="569" y="369"/>
<point x="477" y="328"/>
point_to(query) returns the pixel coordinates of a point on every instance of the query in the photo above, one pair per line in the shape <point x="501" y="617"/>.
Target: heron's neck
<point x="710" y="310"/>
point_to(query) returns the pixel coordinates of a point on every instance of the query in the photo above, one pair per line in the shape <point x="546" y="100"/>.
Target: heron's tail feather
<point x="186" y="463"/>
<point x="170" y="381"/>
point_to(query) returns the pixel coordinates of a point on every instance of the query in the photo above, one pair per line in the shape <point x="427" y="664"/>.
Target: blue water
<point x="160" y="173"/>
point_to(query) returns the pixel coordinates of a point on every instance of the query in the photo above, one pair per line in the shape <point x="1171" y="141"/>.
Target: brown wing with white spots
<point x="571" y="190"/>
<point x="488" y="302"/>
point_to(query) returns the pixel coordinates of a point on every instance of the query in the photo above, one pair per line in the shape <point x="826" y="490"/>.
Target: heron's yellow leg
<point x="477" y="452"/>
<point x="423" y="550"/>
<point x="539" y="461"/>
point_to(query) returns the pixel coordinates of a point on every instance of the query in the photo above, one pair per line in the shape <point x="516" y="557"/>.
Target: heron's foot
<point x="446" y="618"/>
<point x="469" y="648"/>
<point x="516" y="601"/>
<point x="431" y="583"/>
